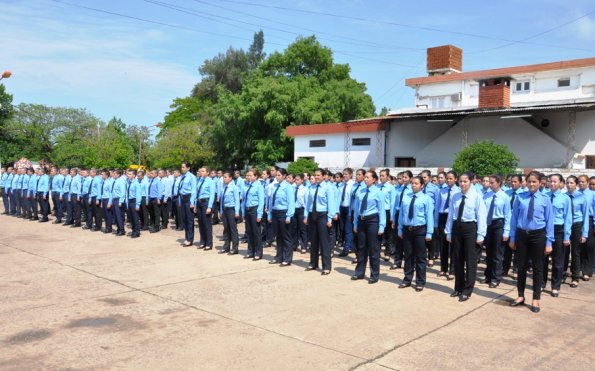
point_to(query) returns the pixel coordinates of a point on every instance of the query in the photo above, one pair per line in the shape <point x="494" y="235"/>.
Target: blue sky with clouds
<point x="131" y="58"/>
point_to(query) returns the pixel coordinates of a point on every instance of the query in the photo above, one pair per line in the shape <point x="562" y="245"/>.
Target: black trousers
<point x="216" y="207"/>
<point x="165" y="212"/>
<point x="13" y="202"/>
<point x="230" y="230"/>
<point x="572" y="255"/>
<point x="253" y="232"/>
<point x="85" y="207"/>
<point x="5" y="201"/>
<point x="300" y="233"/>
<point x="133" y="216"/>
<point x="187" y="218"/>
<point x="587" y="252"/>
<point x="283" y="236"/>
<point x="494" y="251"/>
<point x="389" y="236"/>
<point x="530" y="245"/>
<point x="464" y="237"/>
<point x="98" y="212"/>
<point x="155" y="213"/>
<point x="205" y="223"/>
<point x="269" y="230"/>
<point x="414" y="248"/>
<point x="91" y="214"/>
<point x="510" y="260"/>
<point x="34" y="206"/>
<point x="119" y="216"/>
<point x="107" y="213"/>
<point x="446" y="251"/>
<point x="320" y="240"/>
<point x="58" y="205"/>
<point x="176" y="211"/>
<point x="144" y="213"/>
<point x="44" y="205"/>
<point x="76" y="208"/>
<point x="368" y="246"/>
<point x="557" y="257"/>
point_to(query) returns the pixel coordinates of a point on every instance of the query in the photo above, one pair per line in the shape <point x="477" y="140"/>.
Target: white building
<point x="545" y="113"/>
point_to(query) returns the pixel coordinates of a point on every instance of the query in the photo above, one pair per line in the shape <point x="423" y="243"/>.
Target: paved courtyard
<point x="73" y="299"/>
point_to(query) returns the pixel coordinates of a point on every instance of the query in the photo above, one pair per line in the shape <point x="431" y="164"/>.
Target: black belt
<point x="414" y="228"/>
<point x="203" y="199"/>
<point x="577" y="223"/>
<point x="535" y="231"/>
<point x="229" y="208"/>
<point x="251" y="208"/>
<point x="368" y="217"/>
<point x="279" y="212"/>
<point x="456" y="221"/>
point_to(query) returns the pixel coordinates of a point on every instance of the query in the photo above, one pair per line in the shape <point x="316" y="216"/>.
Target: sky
<point x="131" y="58"/>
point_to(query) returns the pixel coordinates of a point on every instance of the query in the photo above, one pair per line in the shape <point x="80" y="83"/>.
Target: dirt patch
<point x="118" y="301"/>
<point x="114" y="322"/>
<point x="28" y="336"/>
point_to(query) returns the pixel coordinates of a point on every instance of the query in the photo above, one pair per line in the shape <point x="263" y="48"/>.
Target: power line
<point x="398" y="24"/>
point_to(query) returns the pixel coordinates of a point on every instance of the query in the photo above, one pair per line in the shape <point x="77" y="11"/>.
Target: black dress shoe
<point x="65" y="224"/>
<point x="325" y="273"/>
<point x="372" y="281"/>
<point x="555" y="294"/>
<point x="354" y="261"/>
<point x="135" y="235"/>
<point x="463" y="297"/>
<point x="106" y="231"/>
<point x="248" y="256"/>
<point x="395" y="266"/>
<point x="179" y="229"/>
<point x="44" y="220"/>
<point x="257" y="258"/>
<point x="354" y="278"/>
<point x="273" y="262"/>
<point x="535" y="309"/>
<point x="419" y="288"/>
<point x="222" y="251"/>
<point x="119" y="234"/>
<point x="486" y="281"/>
<point x="207" y="248"/>
<point x="86" y="227"/>
<point x="129" y="234"/>
<point x="96" y="229"/>
<point x="493" y="285"/>
<point x="404" y="285"/>
<point x="284" y="264"/>
<point x="144" y="229"/>
<point x="232" y="253"/>
<point x="342" y="254"/>
<point x="517" y="303"/>
<point x="455" y="293"/>
<point x="310" y="268"/>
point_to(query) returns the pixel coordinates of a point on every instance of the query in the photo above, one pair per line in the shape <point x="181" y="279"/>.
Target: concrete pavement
<point x="74" y="299"/>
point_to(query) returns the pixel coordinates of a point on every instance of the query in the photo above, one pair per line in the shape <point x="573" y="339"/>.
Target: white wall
<point x="333" y="154"/>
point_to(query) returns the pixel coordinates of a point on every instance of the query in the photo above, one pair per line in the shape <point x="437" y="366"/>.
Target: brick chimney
<point x="444" y="60"/>
<point x="494" y="93"/>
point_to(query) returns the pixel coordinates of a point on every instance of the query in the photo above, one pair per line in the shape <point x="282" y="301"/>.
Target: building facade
<point x="545" y="113"/>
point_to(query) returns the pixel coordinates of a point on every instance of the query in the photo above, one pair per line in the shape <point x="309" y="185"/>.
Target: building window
<point x="404" y="162"/>
<point x="590" y="162"/>
<point x="318" y="143"/>
<point x="307" y="158"/>
<point x="563" y="83"/>
<point x="522" y="86"/>
<point x="437" y="102"/>
<point x="360" y="141"/>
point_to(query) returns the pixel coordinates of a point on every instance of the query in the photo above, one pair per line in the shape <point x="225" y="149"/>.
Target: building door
<point x="590" y="162"/>
<point x="404" y="162"/>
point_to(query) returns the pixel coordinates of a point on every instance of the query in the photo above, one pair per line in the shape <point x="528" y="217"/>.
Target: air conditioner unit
<point x="456" y="97"/>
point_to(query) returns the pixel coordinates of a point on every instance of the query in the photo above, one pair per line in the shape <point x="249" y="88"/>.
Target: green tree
<point x="113" y="148"/>
<point x="486" y="158"/>
<point x="300" y="86"/>
<point x="302" y="165"/>
<point x="185" y="142"/>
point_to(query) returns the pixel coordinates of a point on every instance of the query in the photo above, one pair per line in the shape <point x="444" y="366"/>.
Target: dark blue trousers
<point x="187" y="218"/>
<point x="557" y="256"/>
<point x="44" y="205"/>
<point x="133" y="216"/>
<point x="205" y="223"/>
<point x="414" y="249"/>
<point x="494" y="251"/>
<point x="320" y="240"/>
<point x="369" y="246"/>
<point x="118" y="214"/>
<point x="283" y="236"/>
<point x="347" y="228"/>
<point x="67" y="205"/>
<point x="107" y="213"/>
<point x="253" y="232"/>
<point x="58" y="205"/>
<point x="5" y="201"/>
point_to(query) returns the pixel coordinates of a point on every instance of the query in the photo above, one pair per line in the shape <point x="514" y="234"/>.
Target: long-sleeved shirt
<point x="8" y="181"/>
<point x="206" y="189"/>
<point x="187" y="186"/>
<point x="76" y="185"/>
<point x="230" y="198"/>
<point x="144" y="187"/>
<point x="107" y="189"/>
<point x="357" y="187"/>
<point x="502" y="209"/>
<point x="388" y="190"/>
<point x="57" y="182"/>
<point x="174" y="189"/>
<point x="345" y="189"/>
<point x="4" y="178"/>
<point x="96" y="187"/>
<point x="119" y="191"/>
<point x="66" y="185"/>
<point x="423" y="213"/>
<point x="253" y="196"/>
<point x="400" y="193"/>
<point x="443" y="201"/>
<point x="32" y="185"/>
<point x="580" y="203"/>
<point x="542" y="215"/>
<point x="155" y="189"/>
<point x="374" y="205"/>
<point x="87" y="185"/>
<point x="282" y="198"/>
<point x="433" y="191"/>
<point x="167" y="184"/>
<point x="324" y="200"/>
<point x="133" y="193"/>
<point x="43" y="185"/>
<point x="562" y="213"/>
<point x="24" y="182"/>
<point x="473" y="211"/>
<point x="301" y="194"/>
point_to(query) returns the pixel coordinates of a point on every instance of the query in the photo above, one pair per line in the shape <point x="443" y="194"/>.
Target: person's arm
<point x="429" y="206"/>
<point x="260" y="208"/>
<point x="290" y="203"/>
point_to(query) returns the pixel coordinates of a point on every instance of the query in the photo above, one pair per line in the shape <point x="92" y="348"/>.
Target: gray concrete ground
<point x="74" y="299"/>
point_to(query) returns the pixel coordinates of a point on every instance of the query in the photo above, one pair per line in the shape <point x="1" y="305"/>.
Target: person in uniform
<point x="562" y="214"/>
<point x="281" y="210"/>
<point x="187" y="200"/>
<point x="230" y="213"/>
<point x="43" y="194"/>
<point x="253" y="209"/>
<point x="133" y="198"/>
<point x="205" y="195"/>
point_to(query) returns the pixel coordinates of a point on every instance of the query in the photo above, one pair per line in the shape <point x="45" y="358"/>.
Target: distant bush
<point x="302" y="165"/>
<point x="486" y="158"/>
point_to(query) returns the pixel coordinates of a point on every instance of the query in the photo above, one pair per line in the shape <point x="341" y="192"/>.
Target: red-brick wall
<point x="494" y="96"/>
<point x="444" y="57"/>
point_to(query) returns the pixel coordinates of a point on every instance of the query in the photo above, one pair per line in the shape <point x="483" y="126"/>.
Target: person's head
<point x="265" y="174"/>
<point x="370" y="178"/>
<point x="435" y="179"/>
<point x="203" y="172"/>
<point x="167" y="172"/>
<point x="299" y="179"/>
<point x="441" y="178"/>
<point x="176" y="173"/>
<point x="533" y="181"/>
<point x="319" y="175"/>
<point x="160" y="173"/>
<point x="153" y="174"/>
<point x="185" y="167"/>
<point x="384" y="175"/>
<point x="571" y="183"/>
<point x="451" y="178"/>
<point x="104" y="174"/>
<point x="84" y="173"/>
<point x="400" y="177"/>
<point x="290" y="178"/>
<point x="556" y="182"/>
<point x="93" y="172"/>
<point x="347" y="174"/>
<point x="495" y="182"/>
<point x="53" y="171"/>
<point x="359" y="175"/>
<point x="273" y="171"/>
<point x="592" y="183"/>
<point x="131" y="174"/>
<point x="140" y="174"/>
<point x="416" y="183"/>
<point x="227" y="177"/>
<point x="406" y="177"/>
<point x="73" y="171"/>
<point x="338" y="177"/>
<point x="583" y="182"/>
<point x="485" y="182"/>
<point x="426" y="175"/>
<point x="237" y="174"/>
<point x="213" y="173"/>
<point x="64" y="171"/>
<point x="281" y="174"/>
<point x="523" y="181"/>
<point x="312" y="179"/>
<point x="516" y="182"/>
<point x="117" y="173"/>
<point x="465" y="181"/>
<point x="43" y="170"/>
<point x="30" y="171"/>
<point x="544" y="180"/>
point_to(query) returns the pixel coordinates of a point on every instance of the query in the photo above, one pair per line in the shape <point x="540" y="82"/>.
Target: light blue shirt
<point x="107" y="189"/>
<point x="8" y="181"/>
<point x="187" y="186"/>
<point x="375" y="205"/>
<point x="144" y="187"/>
<point x="57" y="182"/>
<point x="284" y="200"/>
<point x="32" y="186"/>
<point x="581" y="210"/>
<point x="542" y="215"/>
<point x="176" y="186"/>
<point x="133" y="193"/>
<point x="357" y="187"/>
<point x="96" y="189"/>
<point x="76" y="185"/>
<point x="502" y="209"/>
<point x="43" y="186"/>
<point x="433" y="191"/>
<point x="87" y="185"/>
<point x="474" y="211"/>
<point x="561" y="211"/>
<point x="423" y="212"/>
<point x="345" y="189"/>
<point x="4" y="177"/>
<point x="301" y="196"/>
<point x="253" y="196"/>
<point x="230" y="197"/>
<point x="155" y="189"/>
<point x="119" y="190"/>
<point x="388" y="190"/>
<point x="168" y="183"/>
<point x="324" y="201"/>
<point x="24" y="182"/>
<point x="396" y="204"/>
<point x="207" y="190"/>
<point x="66" y="185"/>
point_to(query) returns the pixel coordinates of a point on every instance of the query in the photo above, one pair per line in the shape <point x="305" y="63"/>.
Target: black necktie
<point x="173" y="187"/>
<point x="128" y="190"/>
<point x="512" y="199"/>
<point x="275" y="193"/>
<point x="181" y="181"/>
<point x="223" y="198"/>
<point x="314" y="212"/>
<point x="364" y="206"/>
<point x="82" y="182"/>
<point x="91" y="185"/>
<point x="411" y="208"/>
<point x="150" y="185"/>
<point x="343" y="195"/>
<point x="572" y="205"/>
<point x="102" y="184"/>
<point x="447" y="202"/>
<point x="200" y="187"/>
<point x="296" y="192"/>
<point x="37" y="186"/>
<point x="354" y="193"/>
<point x="461" y="209"/>
<point x="491" y="210"/>
<point x="113" y="185"/>
<point x="531" y="209"/>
